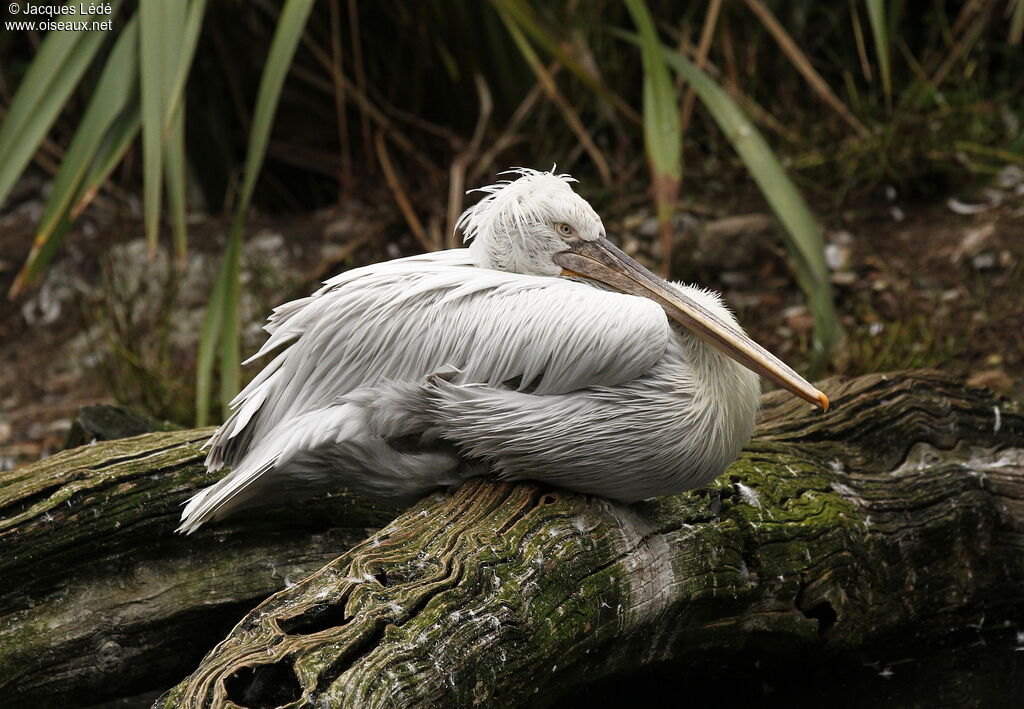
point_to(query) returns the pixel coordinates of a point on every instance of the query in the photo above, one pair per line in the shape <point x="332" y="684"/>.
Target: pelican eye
<point x="564" y="229"/>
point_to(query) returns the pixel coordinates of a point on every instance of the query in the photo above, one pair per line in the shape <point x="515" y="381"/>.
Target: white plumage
<point x="414" y="374"/>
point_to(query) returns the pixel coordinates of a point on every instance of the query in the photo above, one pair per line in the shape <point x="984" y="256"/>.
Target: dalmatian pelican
<point x="541" y="351"/>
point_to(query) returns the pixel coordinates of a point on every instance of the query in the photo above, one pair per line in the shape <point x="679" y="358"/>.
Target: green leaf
<point x="1016" y="21"/>
<point x="174" y="163"/>
<point x="661" y="112"/>
<point x="564" y="106"/>
<point x="876" y="15"/>
<point x="525" y="17"/>
<point x="111" y="122"/>
<point x="115" y="144"/>
<point x="174" y="147"/>
<point x="662" y="132"/>
<point x="193" y="24"/>
<point x="169" y="33"/>
<point x="230" y="334"/>
<point x="109" y="154"/>
<point x="42" y="94"/>
<point x="160" y="30"/>
<point x="186" y="24"/>
<point x="208" y="338"/>
<point x="803" y="236"/>
<point x="221" y="323"/>
<point x="112" y="94"/>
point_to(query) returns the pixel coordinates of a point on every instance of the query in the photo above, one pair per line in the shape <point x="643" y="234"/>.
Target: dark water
<point x="976" y="676"/>
<point x="980" y="675"/>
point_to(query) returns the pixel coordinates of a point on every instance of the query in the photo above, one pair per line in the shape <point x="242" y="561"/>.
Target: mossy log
<point x="898" y="515"/>
<point x="100" y="599"/>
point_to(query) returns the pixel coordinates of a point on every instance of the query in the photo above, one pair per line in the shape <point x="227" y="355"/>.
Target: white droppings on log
<point x="975" y="460"/>
<point x="749" y="495"/>
<point x="847" y="493"/>
<point x="985" y="460"/>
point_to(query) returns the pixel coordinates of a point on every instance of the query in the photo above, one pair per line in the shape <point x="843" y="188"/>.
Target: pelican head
<point x="537" y="225"/>
<point x="521" y="224"/>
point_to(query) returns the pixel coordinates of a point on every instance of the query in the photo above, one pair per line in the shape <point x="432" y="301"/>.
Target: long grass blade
<point x="115" y="144"/>
<point x="186" y="22"/>
<point x="801" y="63"/>
<point x="400" y="196"/>
<point x="190" y="30"/>
<point x="803" y="236"/>
<point x="876" y="16"/>
<point x="174" y="164"/>
<point x="106" y="130"/>
<point x="569" y="114"/>
<point x="1016" y="10"/>
<point x="662" y="130"/>
<point x="155" y="48"/>
<point x="174" y="155"/>
<point x="114" y="90"/>
<point x="221" y="325"/>
<point x="54" y="73"/>
<point x="858" y="38"/>
<point x="230" y="330"/>
<point x="703" y="47"/>
<point x="209" y="335"/>
<point x="525" y="17"/>
<point x="165" y="57"/>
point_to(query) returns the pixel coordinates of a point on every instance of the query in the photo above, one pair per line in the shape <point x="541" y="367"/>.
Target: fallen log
<point x="100" y="599"/>
<point x="898" y="515"/>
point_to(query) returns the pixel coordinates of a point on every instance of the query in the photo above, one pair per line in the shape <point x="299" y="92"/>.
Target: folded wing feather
<point x="402" y="320"/>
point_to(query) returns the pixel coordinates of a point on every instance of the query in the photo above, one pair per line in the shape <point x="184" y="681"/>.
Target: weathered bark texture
<point x="898" y="514"/>
<point x="99" y="598"/>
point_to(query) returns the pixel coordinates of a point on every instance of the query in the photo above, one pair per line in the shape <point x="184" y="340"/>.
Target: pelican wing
<point x="406" y="319"/>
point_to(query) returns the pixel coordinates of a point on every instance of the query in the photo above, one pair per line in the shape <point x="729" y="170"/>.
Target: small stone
<point x="973" y="241"/>
<point x="739" y="224"/>
<point x="841" y="237"/>
<point x="963" y="208"/>
<point x="1009" y="177"/>
<point x="984" y="261"/>
<point x="837" y="257"/>
<point x="797" y="318"/>
<point x="632" y="246"/>
<point x="801" y="323"/>
<point x="995" y="379"/>
<point x="648" y="228"/>
<point x="742" y="301"/>
<point x="632" y="222"/>
<point x="735" y="278"/>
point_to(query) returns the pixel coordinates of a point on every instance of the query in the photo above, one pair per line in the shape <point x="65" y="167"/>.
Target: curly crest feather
<point x="513" y="227"/>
